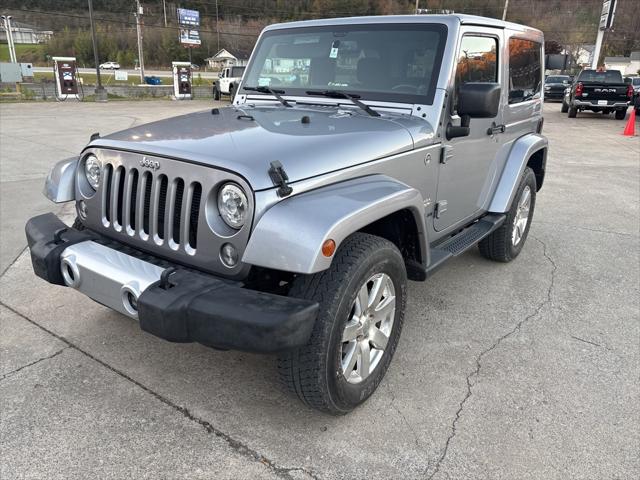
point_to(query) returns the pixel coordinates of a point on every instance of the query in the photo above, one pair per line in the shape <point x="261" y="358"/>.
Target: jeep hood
<point x="308" y="141"/>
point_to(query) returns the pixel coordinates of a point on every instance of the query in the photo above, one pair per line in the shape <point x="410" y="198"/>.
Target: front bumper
<point x="554" y="94"/>
<point x="170" y="302"/>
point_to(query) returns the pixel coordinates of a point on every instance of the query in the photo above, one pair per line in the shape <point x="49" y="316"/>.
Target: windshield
<point x="557" y="80"/>
<point x="636" y="81"/>
<point x="398" y="62"/>
<point x="237" y="71"/>
<point x="610" y="76"/>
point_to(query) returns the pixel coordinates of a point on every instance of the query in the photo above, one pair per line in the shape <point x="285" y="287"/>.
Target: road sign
<point x="121" y="75"/>
<point x="608" y="12"/>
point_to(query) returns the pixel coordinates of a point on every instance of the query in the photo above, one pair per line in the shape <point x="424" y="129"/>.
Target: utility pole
<point x="504" y="12"/>
<point x="10" y="45"/>
<point x="217" y="28"/>
<point x="101" y="94"/>
<point x="417" y="5"/>
<point x="139" y="32"/>
<point x="164" y="9"/>
<point x="606" y="22"/>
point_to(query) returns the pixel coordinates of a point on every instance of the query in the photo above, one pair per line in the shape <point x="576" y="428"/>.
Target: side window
<point x="477" y="61"/>
<point x="525" y="70"/>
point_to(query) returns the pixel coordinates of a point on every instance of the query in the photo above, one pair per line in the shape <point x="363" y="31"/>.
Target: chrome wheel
<point x="367" y="331"/>
<point x="522" y="216"/>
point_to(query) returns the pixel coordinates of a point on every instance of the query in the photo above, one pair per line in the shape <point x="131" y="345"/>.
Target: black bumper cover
<point x="190" y="306"/>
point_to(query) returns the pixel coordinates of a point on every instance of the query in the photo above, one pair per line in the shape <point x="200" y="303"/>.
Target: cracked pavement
<point x="524" y="370"/>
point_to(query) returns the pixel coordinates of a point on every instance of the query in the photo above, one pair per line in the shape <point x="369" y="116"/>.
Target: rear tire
<point x="506" y="242"/>
<point x="573" y="111"/>
<point x="328" y="373"/>
<point x="621" y="114"/>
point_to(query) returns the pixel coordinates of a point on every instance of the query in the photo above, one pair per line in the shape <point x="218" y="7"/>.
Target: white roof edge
<point x="454" y="18"/>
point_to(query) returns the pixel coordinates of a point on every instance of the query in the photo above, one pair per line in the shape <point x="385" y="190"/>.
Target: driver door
<point x="469" y="165"/>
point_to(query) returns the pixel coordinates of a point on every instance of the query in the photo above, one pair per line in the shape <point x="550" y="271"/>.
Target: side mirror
<point x="475" y="100"/>
<point x="479" y="100"/>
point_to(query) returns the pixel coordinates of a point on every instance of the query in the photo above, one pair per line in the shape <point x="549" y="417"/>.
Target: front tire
<point x="216" y="93"/>
<point x="506" y="242"/>
<point x="621" y="114"/>
<point x="362" y="299"/>
<point x="565" y="107"/>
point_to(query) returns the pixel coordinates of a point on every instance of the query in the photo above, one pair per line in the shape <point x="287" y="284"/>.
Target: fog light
<point x="229" y="255"/>
<point x="83" y="210"/>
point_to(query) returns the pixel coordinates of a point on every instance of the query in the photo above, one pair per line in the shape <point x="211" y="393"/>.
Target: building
<point x="627" y="65"/>
<point x="23" y="33"/>
<point x="224" y="58"/>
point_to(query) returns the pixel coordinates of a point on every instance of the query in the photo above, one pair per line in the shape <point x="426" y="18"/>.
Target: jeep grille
<point x="165" y="206"/>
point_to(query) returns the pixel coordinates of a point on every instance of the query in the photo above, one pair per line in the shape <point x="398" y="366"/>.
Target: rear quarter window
<point x="525" y="70"/>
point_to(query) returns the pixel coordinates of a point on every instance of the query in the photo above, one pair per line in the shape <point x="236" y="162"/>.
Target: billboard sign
<point x="189" y="18"/>
<point x="189" y="37"/>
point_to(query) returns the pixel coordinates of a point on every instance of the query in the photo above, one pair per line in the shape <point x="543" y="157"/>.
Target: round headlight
<point x="92" y="170"/>
<point x="233" y="205"/>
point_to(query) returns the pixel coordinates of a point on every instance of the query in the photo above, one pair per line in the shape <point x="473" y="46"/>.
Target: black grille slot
<point x="177" y="216"/>
<point x="108" y="175"/>
<point x="120" y="201"/>
<point x="194" y="214"/>
<point x="147" y="202"/>
<point x="162" y="204"/>
<point x="134" y="195"/>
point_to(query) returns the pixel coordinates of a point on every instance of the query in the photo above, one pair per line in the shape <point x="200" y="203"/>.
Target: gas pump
<point x="65" y="73"/>
<point x="181" y="80"/>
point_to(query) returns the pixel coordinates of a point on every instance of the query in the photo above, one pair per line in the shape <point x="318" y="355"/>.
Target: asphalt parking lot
<point x="516" y="371"/>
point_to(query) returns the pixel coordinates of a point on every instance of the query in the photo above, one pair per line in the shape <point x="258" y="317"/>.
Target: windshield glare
<point x="379" y="62"/>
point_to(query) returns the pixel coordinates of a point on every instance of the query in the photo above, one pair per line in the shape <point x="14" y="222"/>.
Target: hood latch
<point x="280" y="178"/>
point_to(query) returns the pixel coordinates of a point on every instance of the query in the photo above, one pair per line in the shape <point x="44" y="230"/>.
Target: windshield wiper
<point x="275" y="93"/>
<point x="349" y="96"/>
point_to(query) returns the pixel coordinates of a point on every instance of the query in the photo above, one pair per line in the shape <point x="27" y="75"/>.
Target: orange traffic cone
<point x="630" y="129"/>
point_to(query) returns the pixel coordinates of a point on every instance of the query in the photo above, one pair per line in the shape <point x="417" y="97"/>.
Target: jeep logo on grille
<point x="152" y="164"/>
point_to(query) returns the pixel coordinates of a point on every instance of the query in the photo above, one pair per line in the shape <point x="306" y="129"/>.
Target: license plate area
<point x="603" y="102"/>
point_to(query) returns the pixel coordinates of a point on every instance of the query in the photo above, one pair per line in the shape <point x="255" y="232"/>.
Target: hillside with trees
<point x="236" y="24"/>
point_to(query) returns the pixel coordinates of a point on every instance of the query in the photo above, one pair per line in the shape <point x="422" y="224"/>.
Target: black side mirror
<point x="475" y="100"/>
<point x="479" y="100"/>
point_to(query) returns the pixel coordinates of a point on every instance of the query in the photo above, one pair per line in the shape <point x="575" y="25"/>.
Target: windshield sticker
<point x="334" y="49"/>
<point x="264" y="81"/>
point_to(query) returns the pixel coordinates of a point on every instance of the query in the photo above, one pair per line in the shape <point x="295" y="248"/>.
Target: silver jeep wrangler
<point x="358" y="153"/>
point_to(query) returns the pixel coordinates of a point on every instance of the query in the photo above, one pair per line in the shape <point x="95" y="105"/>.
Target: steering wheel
<point x="405" y="87"/>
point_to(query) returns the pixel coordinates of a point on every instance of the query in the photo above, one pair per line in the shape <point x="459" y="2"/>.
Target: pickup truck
<point x="291" y="221"/>
<point x="227" y="82"/>
<point x="598" y="91"/>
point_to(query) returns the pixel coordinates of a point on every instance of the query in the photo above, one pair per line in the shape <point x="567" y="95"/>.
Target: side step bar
<point x="462" y="241"/>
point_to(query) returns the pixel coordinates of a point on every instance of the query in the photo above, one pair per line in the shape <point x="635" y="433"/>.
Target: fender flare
<point x="289" y="236"/>
<point x="59" y="186"/>
<point x="521" y="151"/>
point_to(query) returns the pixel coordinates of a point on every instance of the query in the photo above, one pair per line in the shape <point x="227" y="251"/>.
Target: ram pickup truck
<point x="227" y="82"/>
<point x="358" y="154"/>
<point x="598" y="91"/>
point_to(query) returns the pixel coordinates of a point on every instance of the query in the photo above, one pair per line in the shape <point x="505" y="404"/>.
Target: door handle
<point x="493" y="129"/>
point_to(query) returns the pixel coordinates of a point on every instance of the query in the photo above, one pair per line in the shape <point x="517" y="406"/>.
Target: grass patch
<point x="25" y="52"/>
